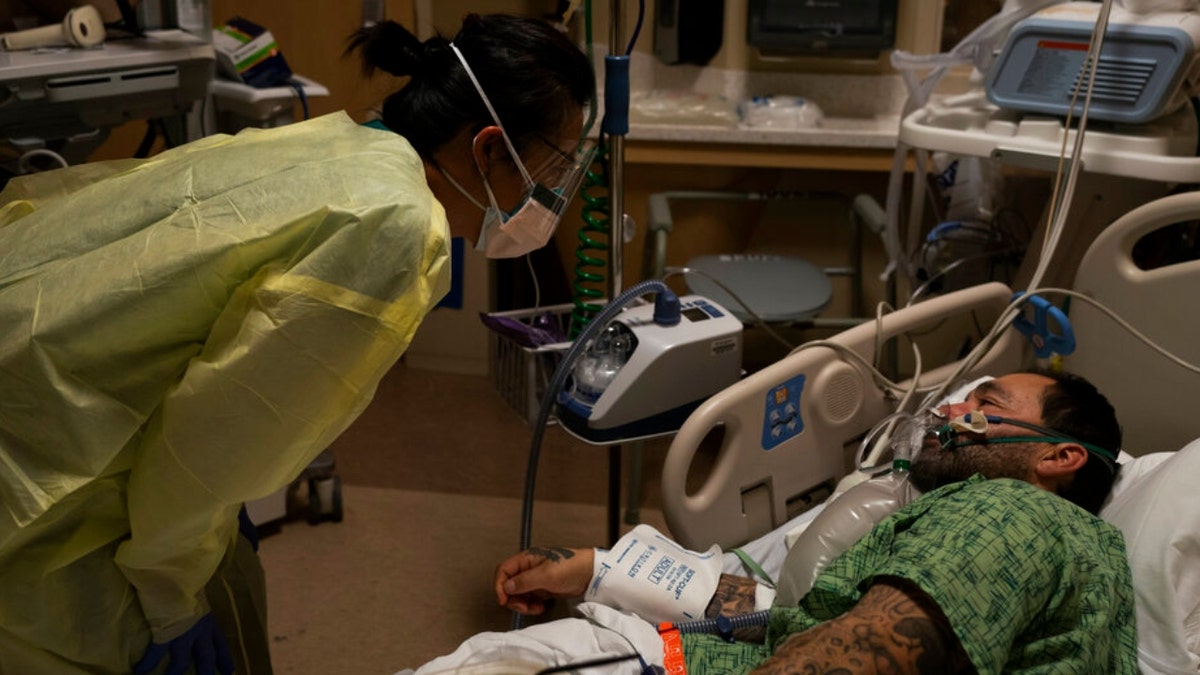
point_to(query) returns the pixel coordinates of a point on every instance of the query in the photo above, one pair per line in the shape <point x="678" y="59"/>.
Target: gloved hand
<point x="202" y="645"/>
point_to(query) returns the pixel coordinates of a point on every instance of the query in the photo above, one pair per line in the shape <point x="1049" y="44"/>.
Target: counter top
<point x="836" y="145"/>
<point x="873" y="133"/>
<point x="689" y="115"/>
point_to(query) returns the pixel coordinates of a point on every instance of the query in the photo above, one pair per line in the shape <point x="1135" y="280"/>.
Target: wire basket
<point x="521" y="374"/>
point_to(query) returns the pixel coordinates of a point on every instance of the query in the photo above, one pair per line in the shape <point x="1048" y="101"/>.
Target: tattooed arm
<point x="735" y="596"/>
<point x="894" y="628"/>
<point x="527" y="580"/>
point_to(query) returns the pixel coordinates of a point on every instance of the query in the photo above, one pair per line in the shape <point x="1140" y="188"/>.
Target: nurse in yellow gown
<point x="181" y="334"/>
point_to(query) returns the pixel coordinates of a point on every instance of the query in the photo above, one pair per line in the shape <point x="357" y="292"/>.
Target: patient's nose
<point x="953" y="410"/>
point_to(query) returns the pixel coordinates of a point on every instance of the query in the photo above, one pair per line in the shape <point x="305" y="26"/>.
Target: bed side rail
<point x="781" y="433"/>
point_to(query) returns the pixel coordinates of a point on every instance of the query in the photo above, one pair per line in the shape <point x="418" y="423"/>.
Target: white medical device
<point x="74" y="96"/>
<point x="1148" y="64"/>
<point x="81" y="27"/>
<point x="650" y="368"/>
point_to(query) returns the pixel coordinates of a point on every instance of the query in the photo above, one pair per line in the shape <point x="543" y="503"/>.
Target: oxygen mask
<point x="904" y="434"/>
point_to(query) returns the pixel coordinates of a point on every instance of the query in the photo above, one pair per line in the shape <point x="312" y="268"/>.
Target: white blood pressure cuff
<point x="648" y="574"/>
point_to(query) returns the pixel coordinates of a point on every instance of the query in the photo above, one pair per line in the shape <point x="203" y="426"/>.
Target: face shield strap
<point x="977" y="423"/>
<point x="495" y="118"/>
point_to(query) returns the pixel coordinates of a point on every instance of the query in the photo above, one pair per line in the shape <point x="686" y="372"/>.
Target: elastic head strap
<point x="492" y="111"/>
<point x="948" y="436"/>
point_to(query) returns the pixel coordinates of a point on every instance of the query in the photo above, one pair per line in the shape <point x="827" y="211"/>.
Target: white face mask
<point x="531" y="225"/>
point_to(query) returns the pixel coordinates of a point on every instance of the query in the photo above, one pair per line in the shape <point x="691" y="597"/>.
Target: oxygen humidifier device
<point x="650" y="368"/>
<point x="1147" y="68"/>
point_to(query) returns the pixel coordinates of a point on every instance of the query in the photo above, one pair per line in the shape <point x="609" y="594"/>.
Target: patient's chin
<point x="924" y="480"/>
<point x="935" y="468"/>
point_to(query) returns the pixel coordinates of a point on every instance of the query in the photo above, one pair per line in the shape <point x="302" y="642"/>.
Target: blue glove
<point x="202" y="645"/>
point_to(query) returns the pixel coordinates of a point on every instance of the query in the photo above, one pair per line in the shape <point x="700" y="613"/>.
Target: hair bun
<point x="389" y="47"/>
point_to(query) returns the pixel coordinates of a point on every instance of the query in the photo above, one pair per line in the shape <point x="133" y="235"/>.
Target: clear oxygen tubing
<point x="1058" y="210"/>
<point x="978" y="48"/>
<point x="868" y="462"/>
<point x="1060" y="203"/>
<point x="1011" y="312"/>
<point x="557" y="382"/>
<point x="755" y="318"/>
<point x="867" y="459"/>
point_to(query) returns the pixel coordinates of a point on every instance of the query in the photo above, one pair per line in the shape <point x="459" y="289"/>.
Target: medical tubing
<point x="595" y="663"/>
<point x="1162" y="351"/>
<point x="1060" y="206"/>
<point x="1013" y="310"/>
<point x="712" y="626"/>
<point x="637" y="29"/>
<point x="589" y="266"/>
<point x="920" y="90"/>
<point x="557" y="382"/>
<point x="594" y="214"/>
<point x="295" y="84"/>
<point x="754" y="318"/>
<point x="928" y="283"/>
<point x="870" y="462"/>
<point x="24" y="164"/>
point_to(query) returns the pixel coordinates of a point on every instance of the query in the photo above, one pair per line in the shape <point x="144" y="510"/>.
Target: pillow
<point x="1157" y="507"/>
<point x="1133" y="469"/>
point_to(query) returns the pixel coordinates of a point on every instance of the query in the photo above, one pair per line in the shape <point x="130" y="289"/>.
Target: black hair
<point x="534" y="75"/>
<point x="1074" y="407"/>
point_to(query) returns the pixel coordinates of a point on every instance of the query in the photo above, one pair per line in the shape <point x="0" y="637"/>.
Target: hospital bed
<point x="777" y="442"/>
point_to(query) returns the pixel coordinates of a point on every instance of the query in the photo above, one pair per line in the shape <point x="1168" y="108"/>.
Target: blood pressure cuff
<point x="648" y="574"/>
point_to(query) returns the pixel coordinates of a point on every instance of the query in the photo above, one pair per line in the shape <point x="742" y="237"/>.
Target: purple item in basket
<point x="545" y="330"/>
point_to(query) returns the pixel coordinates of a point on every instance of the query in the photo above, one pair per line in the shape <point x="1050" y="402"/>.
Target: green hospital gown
<point x="1029" y="582"/>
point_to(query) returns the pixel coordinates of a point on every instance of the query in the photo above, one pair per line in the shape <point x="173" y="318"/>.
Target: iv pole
<point x="616" y="126"/>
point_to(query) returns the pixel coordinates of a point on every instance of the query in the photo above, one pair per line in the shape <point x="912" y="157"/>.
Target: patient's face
<point x="1017" y="396"/>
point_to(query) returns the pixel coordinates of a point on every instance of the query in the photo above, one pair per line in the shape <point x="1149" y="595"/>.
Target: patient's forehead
<point x="1017" y="395"/>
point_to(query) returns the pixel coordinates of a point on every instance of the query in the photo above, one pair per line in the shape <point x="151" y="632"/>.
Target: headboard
<point x="1157" y="401"/>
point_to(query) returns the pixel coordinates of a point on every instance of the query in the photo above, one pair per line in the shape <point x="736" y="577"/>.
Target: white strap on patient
<point x="648" y="574"/>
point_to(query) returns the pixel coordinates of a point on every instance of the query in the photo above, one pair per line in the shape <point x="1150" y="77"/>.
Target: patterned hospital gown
<point x="1030" y="583"/>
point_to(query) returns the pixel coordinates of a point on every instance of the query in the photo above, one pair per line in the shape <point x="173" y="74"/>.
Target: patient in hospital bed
<point x="991" y="570"/>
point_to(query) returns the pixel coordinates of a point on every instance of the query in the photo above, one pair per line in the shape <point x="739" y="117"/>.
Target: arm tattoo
<point x="551" y="553"/>
<point x="735" y="596"/>
<point x="894" y="628"/>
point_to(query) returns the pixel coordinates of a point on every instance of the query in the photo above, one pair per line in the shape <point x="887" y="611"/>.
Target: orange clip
<point x="673" y="659"/>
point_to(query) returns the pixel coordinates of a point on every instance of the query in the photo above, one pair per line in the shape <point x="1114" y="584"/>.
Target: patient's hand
<point x="525" y="581"/>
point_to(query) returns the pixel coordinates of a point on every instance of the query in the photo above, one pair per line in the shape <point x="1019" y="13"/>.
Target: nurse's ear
<point x="488" y="148"/>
